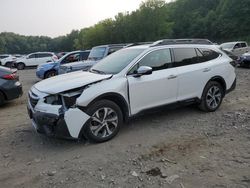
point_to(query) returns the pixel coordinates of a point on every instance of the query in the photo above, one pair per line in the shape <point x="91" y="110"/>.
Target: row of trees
<point x="217" y="20"/>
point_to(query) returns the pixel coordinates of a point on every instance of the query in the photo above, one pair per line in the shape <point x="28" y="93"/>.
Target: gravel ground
<point x="182" y="148"/>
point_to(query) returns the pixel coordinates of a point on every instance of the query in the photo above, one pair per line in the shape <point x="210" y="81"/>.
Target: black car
<point x="10" y="87"/>
<point x="244" y="60"/>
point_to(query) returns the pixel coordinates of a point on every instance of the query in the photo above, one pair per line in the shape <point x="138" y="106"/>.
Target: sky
<point x="58" y="17"/>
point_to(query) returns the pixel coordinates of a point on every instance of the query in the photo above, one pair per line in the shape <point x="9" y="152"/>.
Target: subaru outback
<point x="96" y="103"/>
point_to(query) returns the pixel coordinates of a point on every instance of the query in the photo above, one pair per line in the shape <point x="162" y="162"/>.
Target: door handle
<point x="172" y="77"/>
<point x="206" y="70"/>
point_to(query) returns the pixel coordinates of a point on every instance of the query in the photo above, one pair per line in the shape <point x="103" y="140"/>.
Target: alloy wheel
<point x="104" y="122"/>
<point x="213" y="98"/>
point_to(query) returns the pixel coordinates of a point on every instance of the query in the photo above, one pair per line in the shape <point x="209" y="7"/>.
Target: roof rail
<point x="138" y="43"/>
<point x="181" y="41"/>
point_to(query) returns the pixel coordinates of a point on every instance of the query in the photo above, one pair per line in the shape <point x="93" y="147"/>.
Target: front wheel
<point x="212" y="97"/>
<point x="50" y="74"/>
<point x="105" y="121"/>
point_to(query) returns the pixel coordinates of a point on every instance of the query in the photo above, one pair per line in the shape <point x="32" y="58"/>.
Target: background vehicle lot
<point x="203" y="149"/>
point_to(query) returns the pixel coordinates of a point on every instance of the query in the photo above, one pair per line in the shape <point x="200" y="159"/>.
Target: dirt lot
<point x="181" y="148"/>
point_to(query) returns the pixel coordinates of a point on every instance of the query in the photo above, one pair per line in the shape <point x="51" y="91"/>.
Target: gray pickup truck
<point x="96" y="54"/>
<point x="236" y="48"/>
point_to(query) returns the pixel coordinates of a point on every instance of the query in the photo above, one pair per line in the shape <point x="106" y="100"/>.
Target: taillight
<point x="10" y="77"/>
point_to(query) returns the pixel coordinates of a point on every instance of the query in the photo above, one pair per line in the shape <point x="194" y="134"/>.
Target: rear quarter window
<point x="207" y="54"/>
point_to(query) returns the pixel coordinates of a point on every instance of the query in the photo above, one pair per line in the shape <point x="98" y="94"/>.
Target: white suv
<point x="7" y="60"/>
<point x="94" y="104"/>
<point x="35" y="59"/>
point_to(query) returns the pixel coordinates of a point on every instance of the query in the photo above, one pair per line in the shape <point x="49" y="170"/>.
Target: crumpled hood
<point x="69" y="81"/>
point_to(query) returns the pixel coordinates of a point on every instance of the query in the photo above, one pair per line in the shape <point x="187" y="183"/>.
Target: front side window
<point x="32" y="56"/>
<point x="237" y="46"/>
<point x="157" y="60"/>
<point x="185" y="56"/>
<point x="71" y="58"/>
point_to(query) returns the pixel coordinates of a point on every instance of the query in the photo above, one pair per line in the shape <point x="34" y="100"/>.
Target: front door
<point x="156" y="89"/>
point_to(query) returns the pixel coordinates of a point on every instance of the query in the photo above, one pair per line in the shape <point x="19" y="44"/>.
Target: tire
<point x="2" y="99"/>
<point x="212" y="97"/>
<point x="98" y="127"/>
<point x="8" y="64"/>
<point x="50" y="74"/>
<point x="20" y="66"/>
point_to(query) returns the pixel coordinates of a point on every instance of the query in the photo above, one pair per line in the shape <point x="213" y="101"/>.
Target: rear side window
<point x="207" y="54"/>
<point x="71" y="58"/>
<point x="243" y="45"/>
<point x="84" y="55"/>
<point x="184" y="56"/>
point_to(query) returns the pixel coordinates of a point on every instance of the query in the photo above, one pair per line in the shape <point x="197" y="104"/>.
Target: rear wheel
<point x="105" y="121"/>
<point x="20" y="66"/>
<point x="2" y="99"/>
<point x="212" y="97"/>
<point x="50" y="74"/>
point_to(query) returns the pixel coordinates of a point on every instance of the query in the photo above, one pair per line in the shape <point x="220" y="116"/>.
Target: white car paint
<point x="34" y="59"/>
<point x="75" y="119"/>
<point x="159" y="88"/>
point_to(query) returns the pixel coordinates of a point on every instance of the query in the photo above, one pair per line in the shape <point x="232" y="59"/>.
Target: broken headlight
<point x="69" y="97"/>
<point x="53" y="99"/>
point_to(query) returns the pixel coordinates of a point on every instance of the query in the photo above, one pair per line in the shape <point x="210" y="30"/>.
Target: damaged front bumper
<point x="53" y="120"/>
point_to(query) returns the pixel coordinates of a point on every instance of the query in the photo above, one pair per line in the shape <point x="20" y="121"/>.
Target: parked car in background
<point x="61" y="54"/>
<point x="7" y="60"/>
<point x="35" y="59"/>
<point x="48" y="70"/>
<point x="244" y="60"/>
<point x="237" y="48"/>
<point x="10" y="87"/>
<point x="94" y="104"/>
<point x="96" y="54"/>
<point x="232" y="56"/>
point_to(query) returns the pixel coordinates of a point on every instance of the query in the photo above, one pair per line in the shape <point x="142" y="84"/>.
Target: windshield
<point x="116" y="62"/>
<point x="97" y="53"/>
<point x="227" y="45"/>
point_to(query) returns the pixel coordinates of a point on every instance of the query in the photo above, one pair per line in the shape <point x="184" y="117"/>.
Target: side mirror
<point x="143" y="70"/>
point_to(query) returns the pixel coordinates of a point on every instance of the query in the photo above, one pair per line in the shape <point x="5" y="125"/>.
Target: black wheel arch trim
<point x="114" y="97"/>
<point x="220" y="80"/>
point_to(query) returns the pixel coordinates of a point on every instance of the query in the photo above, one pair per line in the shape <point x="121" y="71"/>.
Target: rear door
<point x="195" y="68"/>
<point x="156" y="89"/>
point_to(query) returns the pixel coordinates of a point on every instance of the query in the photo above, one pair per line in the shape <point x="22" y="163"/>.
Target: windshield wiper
<point x="97" y="71"/>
